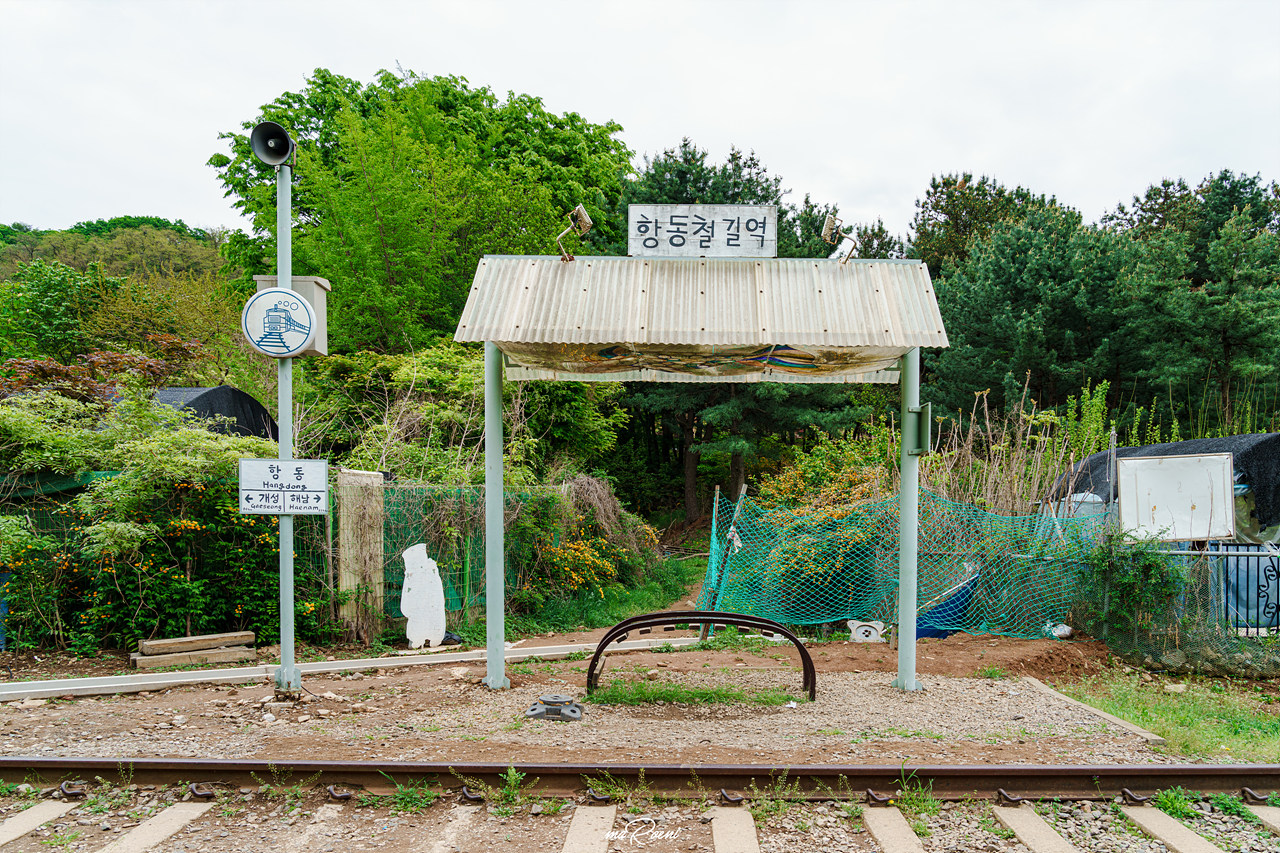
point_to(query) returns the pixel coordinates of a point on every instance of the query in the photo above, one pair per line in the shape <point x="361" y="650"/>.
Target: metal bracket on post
<point x="923" y="417"/>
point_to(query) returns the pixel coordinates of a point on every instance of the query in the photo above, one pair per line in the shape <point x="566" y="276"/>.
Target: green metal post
<point x="909" y="519"/>
<point x="495" y="576"/>
<point x="288" y="678"/>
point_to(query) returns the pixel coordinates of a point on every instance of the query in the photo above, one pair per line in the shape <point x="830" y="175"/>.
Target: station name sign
<point x="284" y="486"/>
<point x="702" y="230"/>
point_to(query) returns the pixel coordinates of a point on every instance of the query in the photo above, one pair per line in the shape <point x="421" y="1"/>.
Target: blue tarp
<point x="937" y="620"/>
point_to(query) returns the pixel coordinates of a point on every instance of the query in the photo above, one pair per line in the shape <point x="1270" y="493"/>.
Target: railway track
<point x="100" y="805"/>
<point x="947" y="781"/>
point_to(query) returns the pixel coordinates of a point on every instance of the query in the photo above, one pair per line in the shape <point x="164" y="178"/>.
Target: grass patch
<point x="633" y="798"/>
<point x="506" y="800"/>
<point x="1205" y="721"/>
<point x="409" y="798"/>
<point x="1234" y="806"/>
<point x="992" y="672"/>
<point x="916" y="802"/>
<point x="773" y="801"/>
<point x="621" y="692"/>
<point x="1176" y="802"/>
<point x="730" y="639"/>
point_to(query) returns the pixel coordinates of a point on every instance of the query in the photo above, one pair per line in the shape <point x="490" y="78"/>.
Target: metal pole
<point x="494" y="547"/>
<point x="288" y="678"/>
<point x="909" y="518"/>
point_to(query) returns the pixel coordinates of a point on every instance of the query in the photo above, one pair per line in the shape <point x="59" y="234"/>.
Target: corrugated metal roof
<point x="774" y="318"/>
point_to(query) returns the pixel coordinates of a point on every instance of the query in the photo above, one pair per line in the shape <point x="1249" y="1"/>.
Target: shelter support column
<point x="909" y="519"/>
<point x="495" y="575"/>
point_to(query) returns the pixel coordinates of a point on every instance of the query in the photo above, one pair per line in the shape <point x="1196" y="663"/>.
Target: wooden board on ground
<point x="236" y="653"/>
<point x="191" y="644"/>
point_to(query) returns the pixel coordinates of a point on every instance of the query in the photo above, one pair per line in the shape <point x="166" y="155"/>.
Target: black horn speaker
<point x="271" y="143"/>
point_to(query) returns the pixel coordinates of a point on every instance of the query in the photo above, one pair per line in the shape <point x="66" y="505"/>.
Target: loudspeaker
<point x="271" y="143"/>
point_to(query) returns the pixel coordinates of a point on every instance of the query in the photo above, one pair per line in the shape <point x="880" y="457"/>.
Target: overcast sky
<point x="112" y="107"/>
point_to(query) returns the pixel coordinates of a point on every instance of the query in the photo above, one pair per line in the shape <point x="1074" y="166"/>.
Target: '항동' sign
<point x="702" y="230"/>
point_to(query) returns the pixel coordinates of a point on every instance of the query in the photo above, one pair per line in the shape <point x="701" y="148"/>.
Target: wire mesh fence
<point x="982" y="573"/>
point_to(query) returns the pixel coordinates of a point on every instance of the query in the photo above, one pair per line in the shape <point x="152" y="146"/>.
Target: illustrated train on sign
<point x="275" y="323"/>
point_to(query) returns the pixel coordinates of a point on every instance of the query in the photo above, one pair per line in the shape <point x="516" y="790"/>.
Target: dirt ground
<point x="957" y="655"/>
<point x="443" y="711"/>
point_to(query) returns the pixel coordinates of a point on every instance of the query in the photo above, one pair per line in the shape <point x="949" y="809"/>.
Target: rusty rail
<point x="817" y="781"/>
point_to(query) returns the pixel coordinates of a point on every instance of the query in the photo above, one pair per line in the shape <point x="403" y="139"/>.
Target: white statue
<point x="422" y="598"/>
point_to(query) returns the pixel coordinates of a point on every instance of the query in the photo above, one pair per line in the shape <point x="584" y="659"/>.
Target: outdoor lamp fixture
<point x="580" y="222"/>
<point x="831" y="234"/>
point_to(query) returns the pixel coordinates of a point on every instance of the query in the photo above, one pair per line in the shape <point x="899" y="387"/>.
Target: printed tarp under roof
<point x="701" y="320"/>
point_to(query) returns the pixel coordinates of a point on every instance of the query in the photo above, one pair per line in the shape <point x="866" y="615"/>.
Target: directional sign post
<point x="280" y="323"/>
<point x="280" y="487"/>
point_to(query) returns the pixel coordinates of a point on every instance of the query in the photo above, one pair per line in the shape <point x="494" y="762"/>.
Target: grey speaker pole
<point x="288" y="677"/>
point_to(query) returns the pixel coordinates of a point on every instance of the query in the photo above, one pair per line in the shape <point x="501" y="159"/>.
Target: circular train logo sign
<point x="278" y="322"/>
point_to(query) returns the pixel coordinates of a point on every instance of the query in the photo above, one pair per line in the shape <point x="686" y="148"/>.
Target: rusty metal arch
<point x="645" y="623"/>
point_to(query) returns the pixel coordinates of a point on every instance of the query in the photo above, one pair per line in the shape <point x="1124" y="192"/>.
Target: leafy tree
<point x="1169" y="204"/>
<point x="574" y="160"/>
<point x="400" y="226"/>
<point x="746" y="414"/>
<point x="1222" y="335"/>
<point x="956" y="210"/>
<point x="42" y="308"/>
<point x="421" y="416"/>
<point x="873" y="240"/>
<point x="1224" y="197"/>
<point x="1205" y="274"/>
<point x="142" y="249"/>
<point x="18" y="245"/>
<point x="1200" y="214"/>
<point x="106" y="227"/>
<point x="1035" y="303"/>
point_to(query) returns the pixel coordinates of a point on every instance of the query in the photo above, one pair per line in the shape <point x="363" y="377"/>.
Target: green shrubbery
<point x="158" y="549"/>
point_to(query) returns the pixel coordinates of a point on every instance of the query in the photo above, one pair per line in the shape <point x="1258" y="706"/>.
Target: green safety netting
<point x="977" y="572"/>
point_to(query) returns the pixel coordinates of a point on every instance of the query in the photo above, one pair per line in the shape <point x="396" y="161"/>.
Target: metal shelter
<point x="616" y="319"/>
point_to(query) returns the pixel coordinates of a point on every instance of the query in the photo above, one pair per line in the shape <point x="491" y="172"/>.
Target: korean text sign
<point x="702" y="230"/>
<point x="284" y="486"/>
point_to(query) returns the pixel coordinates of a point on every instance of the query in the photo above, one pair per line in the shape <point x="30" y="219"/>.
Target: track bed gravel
<point x="441" y="712"/>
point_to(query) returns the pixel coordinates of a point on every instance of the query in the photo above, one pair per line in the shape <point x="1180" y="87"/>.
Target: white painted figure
<point x="422" y="598"/>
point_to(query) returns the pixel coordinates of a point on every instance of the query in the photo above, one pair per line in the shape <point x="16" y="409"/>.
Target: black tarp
<point x="1256" y="458"/>
<point x="248" y="416"/>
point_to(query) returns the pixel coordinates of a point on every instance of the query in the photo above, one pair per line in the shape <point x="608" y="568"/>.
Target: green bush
<point x="1129" y="589"/>
<point x="160" y="549"/>
<point x="196" y="566"/>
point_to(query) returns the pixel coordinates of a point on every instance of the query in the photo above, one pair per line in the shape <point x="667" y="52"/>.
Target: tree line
<point x="402" y="184"/>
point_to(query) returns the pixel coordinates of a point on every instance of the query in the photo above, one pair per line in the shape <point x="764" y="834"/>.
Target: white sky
<point x="112" y="107"/>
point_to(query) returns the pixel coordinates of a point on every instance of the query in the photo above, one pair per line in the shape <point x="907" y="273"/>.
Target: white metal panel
<point x="1177" y="498"/>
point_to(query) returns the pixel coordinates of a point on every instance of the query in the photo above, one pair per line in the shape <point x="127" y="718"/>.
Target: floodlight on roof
<point x="579" y="222"/>
<point x="831" y="234"/>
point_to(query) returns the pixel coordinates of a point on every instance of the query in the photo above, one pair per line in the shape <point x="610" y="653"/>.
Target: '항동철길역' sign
<point x="702" y="230"/>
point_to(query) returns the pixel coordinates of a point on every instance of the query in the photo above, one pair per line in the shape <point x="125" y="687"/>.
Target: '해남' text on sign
<point x="284" y="486"/>
<point x="702" y="230"/>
